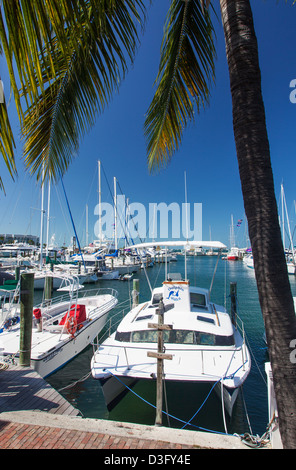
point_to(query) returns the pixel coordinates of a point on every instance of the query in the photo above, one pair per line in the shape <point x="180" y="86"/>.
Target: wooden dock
<point x="21" y="388"/>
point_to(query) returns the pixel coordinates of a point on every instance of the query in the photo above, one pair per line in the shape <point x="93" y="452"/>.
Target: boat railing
<point x="68" y="299"/>
<point x="110" y="326"/>
<point x="117" y="318"/>
<point x="68" y="296"/>
<point x="9" y="302"/>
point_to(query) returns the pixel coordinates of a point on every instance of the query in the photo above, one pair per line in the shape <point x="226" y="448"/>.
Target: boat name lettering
<point x="52" y="355"/>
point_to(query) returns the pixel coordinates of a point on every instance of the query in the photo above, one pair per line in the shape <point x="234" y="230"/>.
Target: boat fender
<point x="71" y="326"/>
<point x="7" y="324"/>
<point x="37" y="313"/>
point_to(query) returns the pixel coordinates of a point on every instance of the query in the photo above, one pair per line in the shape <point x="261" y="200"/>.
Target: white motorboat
<point x="62" y="326"/>
<point x="234" y="254"/>
<point x="204" y="343"/>
<point x="249" y="261"/>
<point x="123" y="264"/>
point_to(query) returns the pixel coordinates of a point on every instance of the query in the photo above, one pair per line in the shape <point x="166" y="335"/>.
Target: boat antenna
<point x="186" y="209"/>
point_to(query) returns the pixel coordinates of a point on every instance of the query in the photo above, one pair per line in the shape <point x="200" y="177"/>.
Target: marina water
<point x="181" y="402"/>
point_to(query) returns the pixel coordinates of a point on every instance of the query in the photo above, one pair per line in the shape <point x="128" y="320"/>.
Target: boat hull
<point x="57" y="358"/>
<point x="53" y="344"/>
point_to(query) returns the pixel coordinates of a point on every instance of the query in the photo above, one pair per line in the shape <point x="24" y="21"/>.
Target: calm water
<point x="184" y="401"/>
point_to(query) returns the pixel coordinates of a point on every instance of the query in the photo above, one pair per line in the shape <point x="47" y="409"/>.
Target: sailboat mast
<point x="48" y="208"/>
<point x="100" y="203"/>
<point x="41" y="222"/>
<point x="86" y="225"/>
<point x="283" y="216"/>
<point x="232" y="240"/>
<point x="185" y="254"/>
<point x="115" y="214"/>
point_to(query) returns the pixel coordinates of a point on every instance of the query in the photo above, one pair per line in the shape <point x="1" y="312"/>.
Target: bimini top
<point x="184" y="243"/>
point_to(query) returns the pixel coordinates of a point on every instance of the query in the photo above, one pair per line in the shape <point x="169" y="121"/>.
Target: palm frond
<point x="82" y="88"/>
<point x="185" y="72"/>
<point x="26" y="28"/>
<point x="7" y="143"/>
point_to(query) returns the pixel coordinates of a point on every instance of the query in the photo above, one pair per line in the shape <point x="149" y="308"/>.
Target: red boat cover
<point x="37" y="313"/>
<point x="80" y="314"/>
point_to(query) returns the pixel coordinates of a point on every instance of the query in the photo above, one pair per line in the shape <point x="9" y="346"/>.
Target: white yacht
<point x="203" y="342"/>
<point x="249" y="261"/>
<point x="62" y="326"/>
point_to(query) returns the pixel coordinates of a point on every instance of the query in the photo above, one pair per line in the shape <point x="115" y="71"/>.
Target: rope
<point x="85" y="377"/>
<point x="168" y="414"/>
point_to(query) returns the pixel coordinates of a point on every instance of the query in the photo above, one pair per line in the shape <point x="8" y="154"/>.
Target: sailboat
<point x="290" y="254"/>
<point x="95" y="257"/>
<point x="234" y="254"/>
<point x="202" y="343"/>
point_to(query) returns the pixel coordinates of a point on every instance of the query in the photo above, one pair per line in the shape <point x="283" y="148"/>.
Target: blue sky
<point x="207" y="153"/>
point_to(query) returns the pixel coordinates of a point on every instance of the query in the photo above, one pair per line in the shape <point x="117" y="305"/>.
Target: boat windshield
<point x="198" y="299"/>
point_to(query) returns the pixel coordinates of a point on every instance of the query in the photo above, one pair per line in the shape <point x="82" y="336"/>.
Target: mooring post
<point x="233" y="292"/>
<point x="135" y="292"/>
<point x="160" y="356"/>
<point x="26" y="317"/>
<point x="159" y="386"/>
<point x="17" y="273"/>
<point x="48" y="287"/>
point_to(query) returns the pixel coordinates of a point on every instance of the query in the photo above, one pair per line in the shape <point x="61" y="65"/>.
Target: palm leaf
<point x="6" y="143"/>
<point x="185" y="71"/>
<point x="81" y="89"/>
<point x="26" y="28"/>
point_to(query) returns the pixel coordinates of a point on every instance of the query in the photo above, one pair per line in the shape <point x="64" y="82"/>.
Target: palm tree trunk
<point x="257" y="183"/>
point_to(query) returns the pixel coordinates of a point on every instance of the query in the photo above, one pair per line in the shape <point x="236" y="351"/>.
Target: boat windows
<point x="144" y="317"/>
<point x="123" y="336"/>
<point x="206" y="319"/>
<point x="176" y="337"/>
<point x="198" y="300"/>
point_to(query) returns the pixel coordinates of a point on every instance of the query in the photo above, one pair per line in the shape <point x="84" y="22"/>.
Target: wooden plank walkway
<point x="21" y="388"/>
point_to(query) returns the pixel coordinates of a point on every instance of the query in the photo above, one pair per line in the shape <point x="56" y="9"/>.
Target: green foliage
<point x="185" y="72"/>
<point x="70" y="56"/>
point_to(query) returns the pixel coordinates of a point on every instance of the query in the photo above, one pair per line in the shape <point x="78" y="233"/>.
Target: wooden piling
<point x="48" y="287"/>
<point x="160" y="356"/>
<point x="136" y="292"/>
<point x="17" y="273"/>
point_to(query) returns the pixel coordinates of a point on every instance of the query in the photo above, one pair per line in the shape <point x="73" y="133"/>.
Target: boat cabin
<point x="178" y="293"/>
<point x="195" y="319"/>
